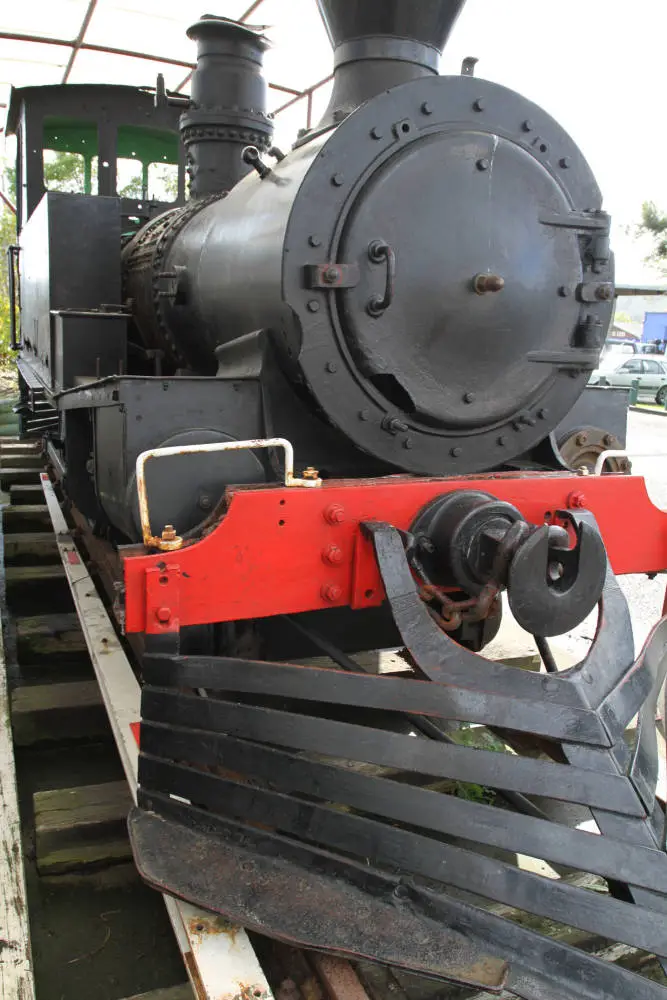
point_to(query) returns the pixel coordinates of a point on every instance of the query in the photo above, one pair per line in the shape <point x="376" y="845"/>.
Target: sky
<point x="597" y="67"/>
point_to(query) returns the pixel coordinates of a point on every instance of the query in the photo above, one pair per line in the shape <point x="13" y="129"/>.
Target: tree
<point x="7" y="237"/>
<point x="654" y="225"/>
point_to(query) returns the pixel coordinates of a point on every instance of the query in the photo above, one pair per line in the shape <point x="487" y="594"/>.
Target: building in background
<point x="654" y="331"/>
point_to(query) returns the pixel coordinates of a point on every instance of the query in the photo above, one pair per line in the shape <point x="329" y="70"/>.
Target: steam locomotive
<point x="334" y="402"/>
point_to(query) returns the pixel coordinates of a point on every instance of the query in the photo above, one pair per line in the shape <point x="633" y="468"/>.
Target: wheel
<point x="661" y="395"/>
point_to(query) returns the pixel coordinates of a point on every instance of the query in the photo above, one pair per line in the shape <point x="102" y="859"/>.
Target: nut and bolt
<point x="330" y="274"/>
<point x="576" y="499"/>
<point x="427" y="108"/>
<point x="565" y="162"/>
<point x="169" y="533"/>
<point x="205" y="502"/>
<point x="313" y="306"/>
<point x="468" y="397"/>
<point x="604" y="292"/>
<point x="337" y="180"/>
<point x="311" y="473"/>
<point x="334" y="514"/>
<point x="331" y="367"/>
<point x="608" y="440"/>
<point x="331" y="592"/>
<point x="332" y="555"/>
<point x="483" y="163"/>
<point x="376" y="132"/>
<point x="455" y="452"/>
<point x="581" y="439"/>
<point x="393" y="425"/>
<point x="527" y="125"/>
<point x="314" y="241"/>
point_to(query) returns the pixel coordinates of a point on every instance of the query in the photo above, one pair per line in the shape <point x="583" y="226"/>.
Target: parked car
<point x="650" y="371"/>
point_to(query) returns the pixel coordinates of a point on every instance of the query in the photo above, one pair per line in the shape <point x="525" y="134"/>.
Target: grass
<point x="651" y="407"/>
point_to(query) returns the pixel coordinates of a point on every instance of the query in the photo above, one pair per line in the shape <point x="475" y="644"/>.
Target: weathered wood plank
<point x="36" y="587"/>
<point x="57" y="637"/>
<point x="58" y="712"/>
<point x="183" y="992"/>
<point x="26" y="517"/>
<point x="31" y="493"/>
<point x="14" y="477"/>
<point x="77" y="827"/>
<point x="12" y="445"/>
<point x="32" y="547"/>
<point x="21" y="460"/>
<point x="16" y="978"/>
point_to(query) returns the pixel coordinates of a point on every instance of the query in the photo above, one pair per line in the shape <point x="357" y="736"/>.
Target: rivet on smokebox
<point x="163" y="615"/>
<point x="331" y="592"/>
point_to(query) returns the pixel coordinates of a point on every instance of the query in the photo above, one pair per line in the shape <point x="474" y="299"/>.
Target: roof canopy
<point x="131" y="41"/>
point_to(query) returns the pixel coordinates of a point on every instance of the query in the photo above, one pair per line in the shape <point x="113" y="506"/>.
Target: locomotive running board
<point x="267" y="794"/>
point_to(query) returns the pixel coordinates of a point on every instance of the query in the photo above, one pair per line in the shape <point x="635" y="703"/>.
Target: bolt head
<point x="314" y="241"/>
<point x="479" y="104"/>
<point x="311" y="473"/>
<point x="608" y="440"/>
<point x="427" y="108"/>
<point x="455" y="452"/>
<point x="334" y="514"/>
<point x="483" y="164"/>
<point x="576" y="500"/>
<point x="408" y="443"/>
<point x="527" y="125"/>
<point x="364" y="414"/>
<point x="337" y="180"/>
<point x="163" y="615"/>
<point x="331" y="592"/>
<point x="333" y="555"/>
<point x="468" y="397"/>
<point x="330" y="274"/>
<point x="331" y="367"/>
<point x="565" y="162"/>
<point x="502" y="440"/>
<point x="563" y="291"/>
<point x="581" y="439"/>
<point x="313" y="306"/>
<point x="376" y="132"/>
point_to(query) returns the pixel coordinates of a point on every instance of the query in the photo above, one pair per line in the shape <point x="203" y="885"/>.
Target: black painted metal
<point x="236" y="738"/>
<point x="379" y="44"/>
<point x="227" y="108"/>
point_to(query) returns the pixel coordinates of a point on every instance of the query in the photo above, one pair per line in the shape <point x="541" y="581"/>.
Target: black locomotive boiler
<point x="421" y="285"/>
<point x="335" y="401"/>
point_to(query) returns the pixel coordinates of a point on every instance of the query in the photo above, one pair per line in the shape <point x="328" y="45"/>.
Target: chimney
<point x="381" y="43"/>
<point x="227" y="108"/>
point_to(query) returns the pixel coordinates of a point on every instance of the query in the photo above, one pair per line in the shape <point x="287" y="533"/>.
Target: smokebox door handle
<point x="379" y="251"/>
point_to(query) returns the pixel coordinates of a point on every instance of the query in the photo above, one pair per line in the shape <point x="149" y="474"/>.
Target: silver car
<point x="650" y="371"/>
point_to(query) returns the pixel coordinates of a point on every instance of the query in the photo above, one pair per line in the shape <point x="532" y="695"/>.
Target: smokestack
<point x="381" y="43"/>
<point x="227" y="106"/>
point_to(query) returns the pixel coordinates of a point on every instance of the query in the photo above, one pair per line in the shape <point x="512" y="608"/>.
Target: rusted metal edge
<point x="219" y="959"/>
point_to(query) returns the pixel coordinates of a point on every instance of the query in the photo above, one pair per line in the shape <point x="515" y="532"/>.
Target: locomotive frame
<point x="260" y="775"/>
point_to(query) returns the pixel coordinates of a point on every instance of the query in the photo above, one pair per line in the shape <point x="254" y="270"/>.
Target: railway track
<point x="77" y="920"/>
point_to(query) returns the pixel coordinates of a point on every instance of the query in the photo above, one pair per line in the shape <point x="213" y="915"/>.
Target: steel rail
<point x="218" y="964"/>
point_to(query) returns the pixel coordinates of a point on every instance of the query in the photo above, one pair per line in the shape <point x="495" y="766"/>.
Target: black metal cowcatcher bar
<point x="308" y="803"/>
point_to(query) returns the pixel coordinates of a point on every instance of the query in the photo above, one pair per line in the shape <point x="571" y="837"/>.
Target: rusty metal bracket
<point x="172" y="541"/>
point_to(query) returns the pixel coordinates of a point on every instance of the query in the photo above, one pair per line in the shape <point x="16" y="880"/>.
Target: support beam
<point x="79" y="39"/>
